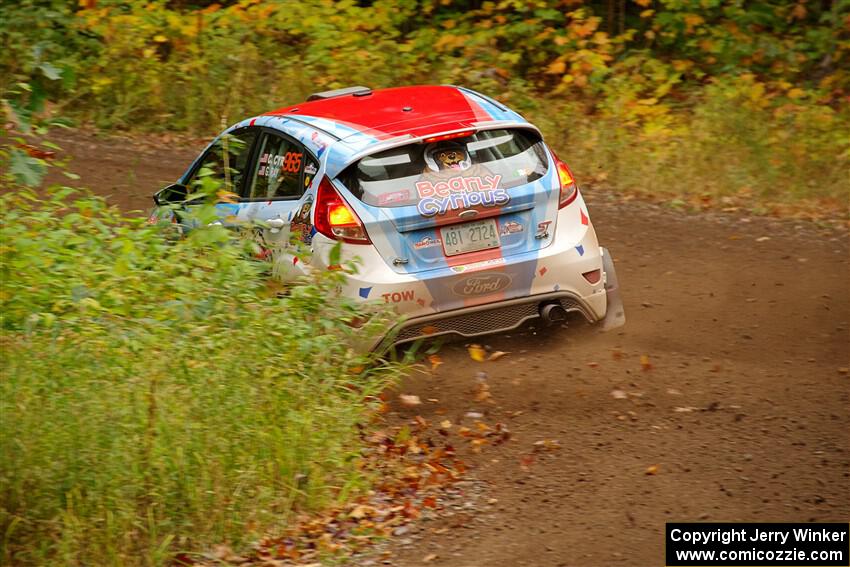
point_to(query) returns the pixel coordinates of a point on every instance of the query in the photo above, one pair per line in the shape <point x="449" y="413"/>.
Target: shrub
<point x="157" y="395"/>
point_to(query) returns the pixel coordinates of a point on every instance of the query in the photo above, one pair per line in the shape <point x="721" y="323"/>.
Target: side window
<point x="280" y="162"/>
<point x="228" y="158"/>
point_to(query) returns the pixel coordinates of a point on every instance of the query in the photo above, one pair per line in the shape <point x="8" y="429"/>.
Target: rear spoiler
<point x="408" y="139"/>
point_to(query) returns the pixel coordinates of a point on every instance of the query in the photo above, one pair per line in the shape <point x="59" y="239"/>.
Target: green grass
<point x="154" y="398"/>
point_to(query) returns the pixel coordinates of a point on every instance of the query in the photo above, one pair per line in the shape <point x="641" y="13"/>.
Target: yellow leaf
<point x="159" y="38"/>
<point x="643" y="3"/>
<point x="692" y="20"/>
<point x="652" y="470"/>
<point x="644" y="362"/>
<point x="445" y="424"/>
<point x="477" y="353"/>
<point x="796" y="93"/>
<point x="647" y="13"/>
<point x="497" y="355"/>
<point x="228" y="197"/>
<point x="361" y="511"/>
<point x="556" y="67"/>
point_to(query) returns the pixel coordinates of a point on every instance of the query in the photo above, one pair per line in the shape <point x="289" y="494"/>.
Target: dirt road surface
<point x="743" y="415"/>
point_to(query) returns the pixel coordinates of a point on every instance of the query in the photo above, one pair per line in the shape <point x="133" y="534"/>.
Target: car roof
<point x="352" y="125"/>
<point x="401" y="111"/>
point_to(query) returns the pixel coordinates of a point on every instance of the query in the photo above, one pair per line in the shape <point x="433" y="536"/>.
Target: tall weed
<point x="156" y="395"/>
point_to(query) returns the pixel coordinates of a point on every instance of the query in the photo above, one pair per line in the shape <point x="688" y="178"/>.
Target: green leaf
<point x="335" y="255"/>
<point x="27" y="170"/>
<point x="50" y="71"/>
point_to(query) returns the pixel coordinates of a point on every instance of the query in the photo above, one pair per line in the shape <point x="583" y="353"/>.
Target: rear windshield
<point x="485" y="161"/>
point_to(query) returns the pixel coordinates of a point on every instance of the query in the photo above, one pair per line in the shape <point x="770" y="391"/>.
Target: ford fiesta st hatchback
<point x="460" y="215"/>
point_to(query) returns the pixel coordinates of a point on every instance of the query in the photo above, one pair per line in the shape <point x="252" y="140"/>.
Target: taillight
<point x="569" y="189"/>
<point x="451" y="136"/>
<point x="335" y="219"/>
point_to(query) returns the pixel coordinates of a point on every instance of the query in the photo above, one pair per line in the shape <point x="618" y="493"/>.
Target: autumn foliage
<point x="695" y="102"/>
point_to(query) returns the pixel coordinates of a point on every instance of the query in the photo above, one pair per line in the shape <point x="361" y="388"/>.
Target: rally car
<point x="459" y="214"/>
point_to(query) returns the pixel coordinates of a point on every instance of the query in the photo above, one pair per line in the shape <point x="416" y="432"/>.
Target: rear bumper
<point x="484" y="319"/>
<point x="510" y="314"/>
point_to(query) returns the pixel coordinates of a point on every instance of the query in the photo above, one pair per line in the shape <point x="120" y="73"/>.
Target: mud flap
<point x="615" y="316"/>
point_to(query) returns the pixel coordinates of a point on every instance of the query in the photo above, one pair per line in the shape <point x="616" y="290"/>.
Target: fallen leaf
<point x="429" y="557"/>
<point x="645" y="364"/>
<point x="409" y="400"/>
<point x="361" y="511"/>
<point x="526" y="461"/>
<point x="482" y="393"/>
<point x="652" y="470"/>
<point x="618" y="394"/>
<point x="497" y="355"/>
<point x="547" y="445"/>
<point x="477" y="353"/>
<point x="435" y="361"/>
<point x="445" y="424"/>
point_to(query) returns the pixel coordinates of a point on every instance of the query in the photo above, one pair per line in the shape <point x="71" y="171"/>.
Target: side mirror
<point x="170" y="195"/>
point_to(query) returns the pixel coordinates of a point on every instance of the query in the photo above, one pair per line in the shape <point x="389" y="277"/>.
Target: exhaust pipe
<point x="553" y="313"/>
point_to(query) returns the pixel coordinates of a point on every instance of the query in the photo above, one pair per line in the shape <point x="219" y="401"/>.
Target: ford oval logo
<point x="482" y="284"/>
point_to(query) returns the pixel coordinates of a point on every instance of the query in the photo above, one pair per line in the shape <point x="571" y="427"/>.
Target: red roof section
<point x="382" y="113"/>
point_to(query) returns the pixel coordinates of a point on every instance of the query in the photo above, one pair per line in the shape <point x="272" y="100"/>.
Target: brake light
<point x="335" y="219"/>
<point x="448" y="136"/>
<point x="569" y="189"/>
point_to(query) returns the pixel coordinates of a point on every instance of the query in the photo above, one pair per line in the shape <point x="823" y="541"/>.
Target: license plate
<point x="469" y="237"/>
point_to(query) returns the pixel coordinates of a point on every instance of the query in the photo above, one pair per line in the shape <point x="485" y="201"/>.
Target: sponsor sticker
<point x="394" y="197"/>
<point x="510" y="227"/>
<point x="427" y="242"/>
<point x="476" y="266"/>
<point x="301" y="227"/>
<point x="460" y="193"/>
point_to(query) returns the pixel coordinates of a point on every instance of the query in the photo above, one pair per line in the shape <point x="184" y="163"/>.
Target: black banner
<point x="757" y="544"/>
